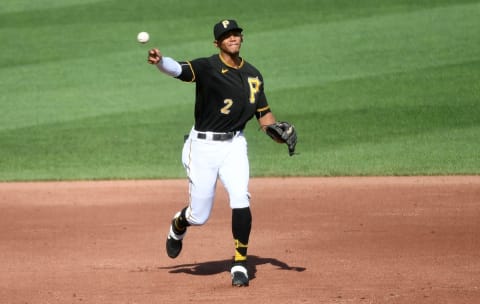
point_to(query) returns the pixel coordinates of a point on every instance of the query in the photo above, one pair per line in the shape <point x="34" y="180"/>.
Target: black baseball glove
<point x="283" y="132"/>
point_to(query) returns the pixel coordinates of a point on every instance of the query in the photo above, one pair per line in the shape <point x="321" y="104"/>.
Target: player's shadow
<point x="216" y="267"/>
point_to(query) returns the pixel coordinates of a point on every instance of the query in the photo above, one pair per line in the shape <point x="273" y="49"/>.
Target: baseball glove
<point x="283" y="132"/>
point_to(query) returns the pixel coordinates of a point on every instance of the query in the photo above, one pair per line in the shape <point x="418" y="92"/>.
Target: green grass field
<point x="373" y="87"/>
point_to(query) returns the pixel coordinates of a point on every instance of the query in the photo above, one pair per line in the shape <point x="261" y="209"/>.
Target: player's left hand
<point x="283" y="132"/>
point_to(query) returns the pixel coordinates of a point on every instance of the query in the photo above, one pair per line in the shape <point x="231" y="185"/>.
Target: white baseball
<point x="143" y="37"/>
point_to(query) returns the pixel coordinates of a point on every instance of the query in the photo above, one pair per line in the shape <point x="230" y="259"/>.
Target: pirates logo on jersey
<point x="254" y="83"/>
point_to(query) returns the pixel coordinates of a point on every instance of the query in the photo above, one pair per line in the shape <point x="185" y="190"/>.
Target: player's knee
<point x="199" y="209"/>
<point x="240" y="201"/>
<point x="198" y="220"/>
<point x="198" y="217"/>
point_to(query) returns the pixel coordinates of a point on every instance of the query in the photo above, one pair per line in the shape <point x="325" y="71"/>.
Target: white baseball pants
<point x="206" y="161"/>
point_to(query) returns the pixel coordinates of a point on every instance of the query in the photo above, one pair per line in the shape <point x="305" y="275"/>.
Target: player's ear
<point x="215" y="43"/>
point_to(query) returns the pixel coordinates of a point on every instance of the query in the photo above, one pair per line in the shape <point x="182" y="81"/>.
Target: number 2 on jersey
<point x="228" y="104"/>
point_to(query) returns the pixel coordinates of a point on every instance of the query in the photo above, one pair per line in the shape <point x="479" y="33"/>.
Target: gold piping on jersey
<point x="230" y="66"/>
<point x="193" y="72"/>
<point x="263" y="109"/>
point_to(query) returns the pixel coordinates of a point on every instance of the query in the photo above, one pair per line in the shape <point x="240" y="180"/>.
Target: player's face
<point x="231" y="42"/>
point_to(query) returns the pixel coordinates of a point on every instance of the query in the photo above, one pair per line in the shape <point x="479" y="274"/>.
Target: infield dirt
<point x="314" y="240"/>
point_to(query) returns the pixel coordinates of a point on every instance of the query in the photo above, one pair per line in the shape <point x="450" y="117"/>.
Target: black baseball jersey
<point x="226" y="97"/>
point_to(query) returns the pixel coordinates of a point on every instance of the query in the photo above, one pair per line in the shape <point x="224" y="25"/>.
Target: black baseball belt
<point x="217" y="136"/>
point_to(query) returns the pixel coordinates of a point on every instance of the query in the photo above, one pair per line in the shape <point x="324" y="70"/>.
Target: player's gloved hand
<point x="283" y="132"/>
<point x="154" y="56"/>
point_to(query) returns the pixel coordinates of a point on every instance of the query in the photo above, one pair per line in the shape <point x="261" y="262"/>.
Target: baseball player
<point x="229" y="92"/>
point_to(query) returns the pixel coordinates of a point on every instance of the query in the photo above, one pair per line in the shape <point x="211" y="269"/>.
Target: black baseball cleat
<point x="239" y="279"/>
<point x="173" y="247"/>
<point x="239" y="275"/>
<point x="174" y="239"/>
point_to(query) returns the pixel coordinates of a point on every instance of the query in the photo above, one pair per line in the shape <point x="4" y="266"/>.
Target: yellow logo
<point x="224" y="71"/>
<point x="225" y="23"/>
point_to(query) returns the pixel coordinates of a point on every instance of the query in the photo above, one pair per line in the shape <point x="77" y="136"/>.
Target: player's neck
<point x="232" y="60"/>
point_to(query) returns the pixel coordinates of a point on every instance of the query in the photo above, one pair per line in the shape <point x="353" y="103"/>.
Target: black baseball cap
<point x="225" y="26"/>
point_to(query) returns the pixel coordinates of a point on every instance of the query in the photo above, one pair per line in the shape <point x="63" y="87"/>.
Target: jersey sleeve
<point x="262" y="104"/>
<point x="187" y="74"/>
<point x="262" y="111"/>
<point x="192" y="70"/>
